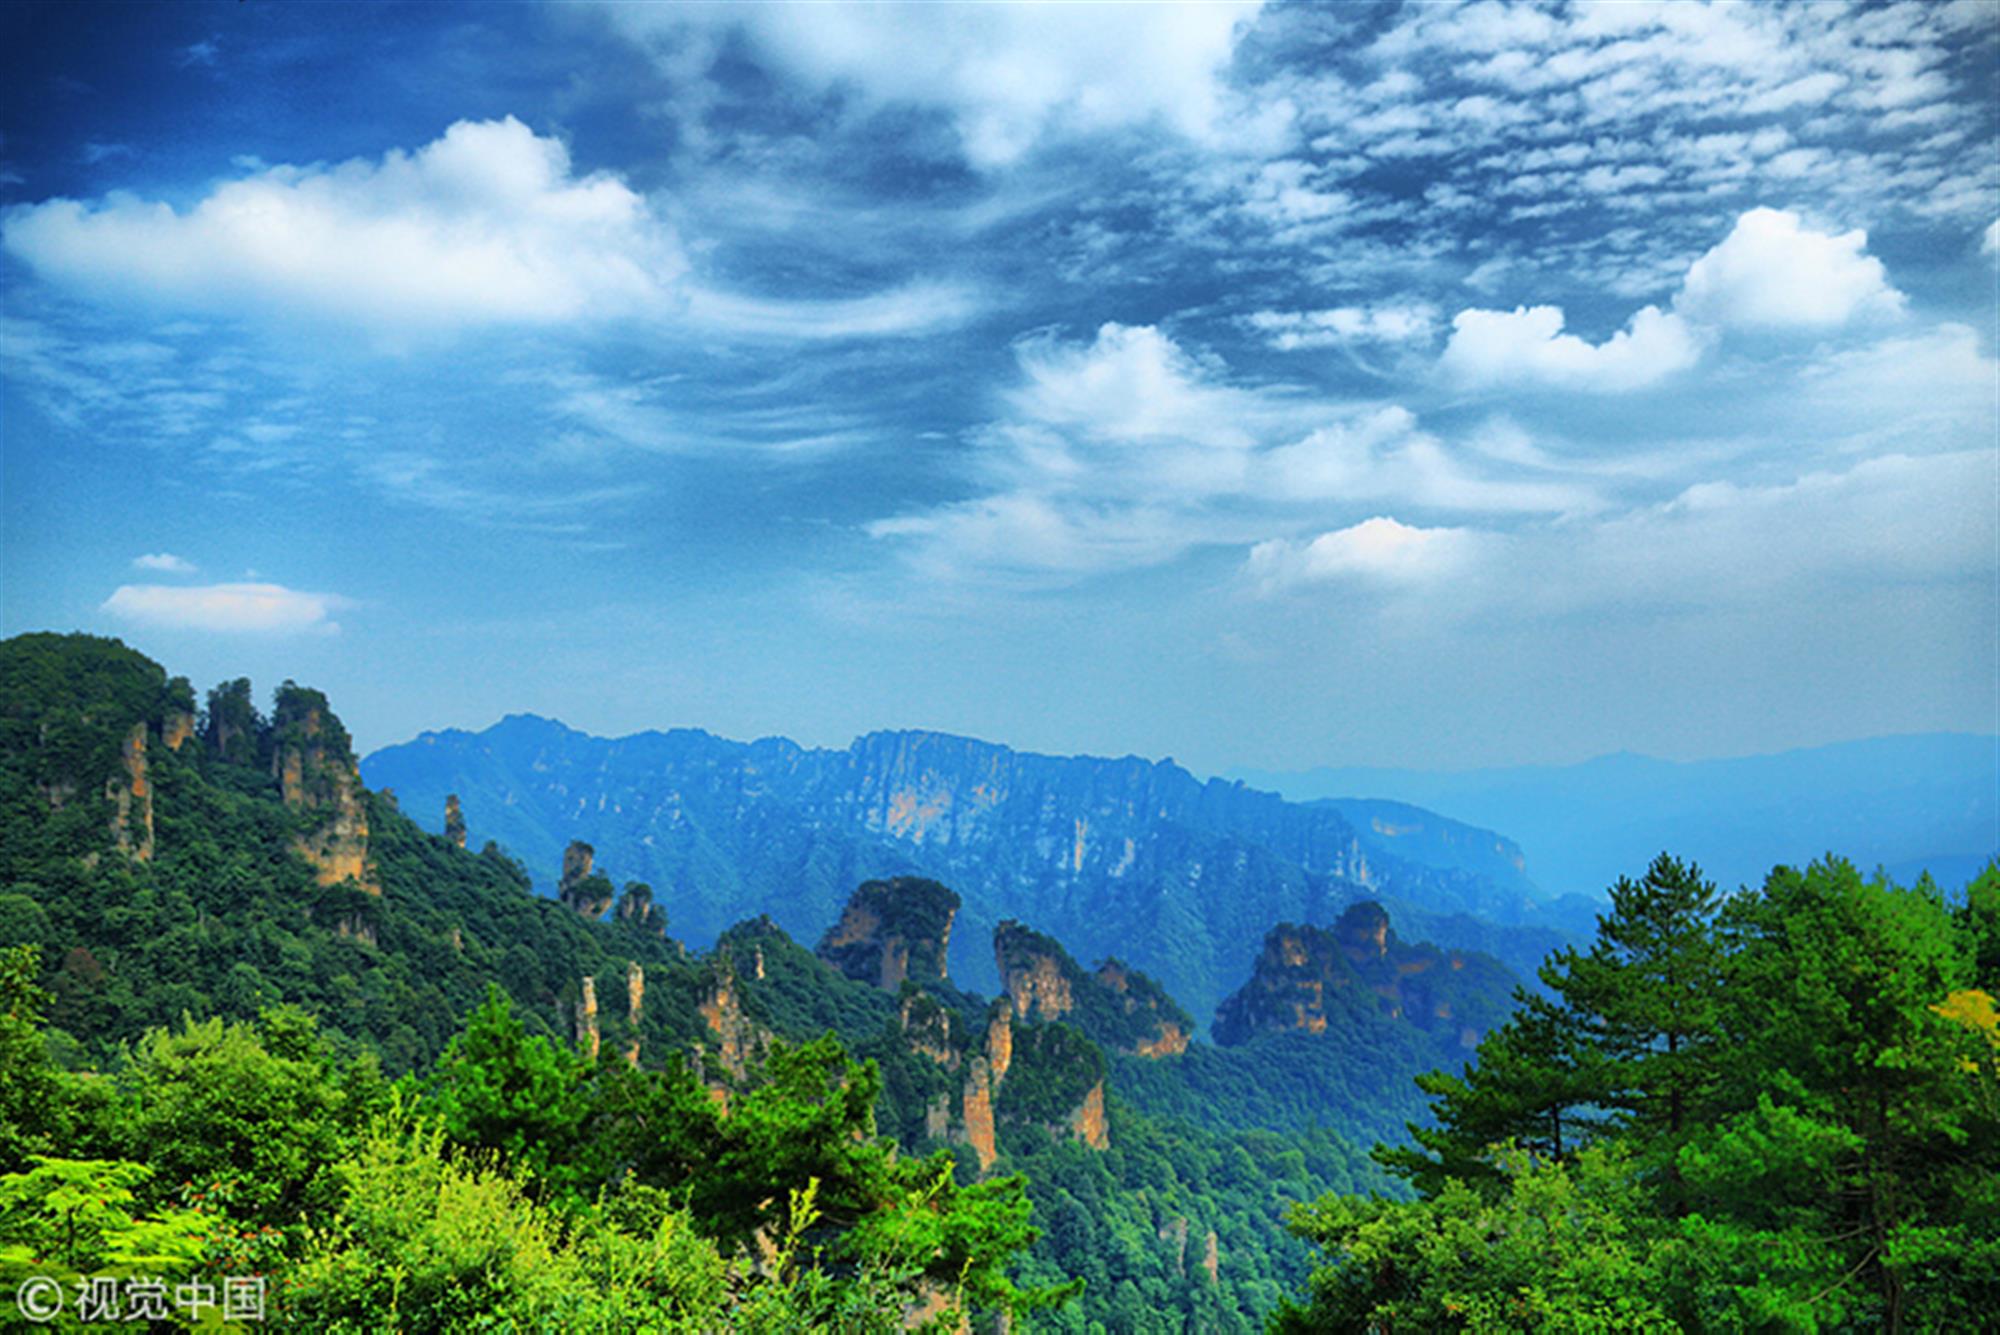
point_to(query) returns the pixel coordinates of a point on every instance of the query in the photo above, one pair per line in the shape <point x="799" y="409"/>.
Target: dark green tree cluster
<point x="1774" y="1110"/>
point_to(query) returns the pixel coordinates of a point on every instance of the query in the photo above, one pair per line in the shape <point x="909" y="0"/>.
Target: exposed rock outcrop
<point x="737" y="1037"/>
<point x="893" y="930"/>
<point x="1087" y="1122"/>
<point x="635" y="1007"/>
<point x="1309" y="978"/>
<point x="977" y="1112"/>
<point x="177" y="728"/>
<point x="1036" y="973"/>
<point x="454" y="820"/>
<point x="1000" y="1039"/>
<point x="1155" y="1026"/>
<point x="313" y="762"/>
<point x="587" y="1037"/>
<point x="927" y="1029"/>
<point x="1116" y="1006"/>
<point x="636" y="908"/>
<point x="131" y="798"/>
<point x="581" y="888"/>
<point x="1211" y="1258"/>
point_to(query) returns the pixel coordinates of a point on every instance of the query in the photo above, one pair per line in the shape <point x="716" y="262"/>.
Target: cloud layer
<point x="1009" y="76"/>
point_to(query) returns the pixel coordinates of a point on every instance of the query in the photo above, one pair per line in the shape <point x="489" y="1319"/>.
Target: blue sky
<point x="1273" y="386"/>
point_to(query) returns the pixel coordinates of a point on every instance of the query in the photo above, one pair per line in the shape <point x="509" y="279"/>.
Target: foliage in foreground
<point x="1775" y="1111"/>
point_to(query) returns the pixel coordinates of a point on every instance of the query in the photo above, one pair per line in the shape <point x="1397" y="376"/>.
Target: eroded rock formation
<point x="587" y="1037"/>
<point x="893" y="930"/>
<point x="314" y="765"/>
<point x="1309" y="978"/>
<point x="131" y="797"/>
<point x="581" y="888"/>
<point x="635" y="1007"/>
<point x="1116" y="1006"/>
<point x="737" y="1037"/>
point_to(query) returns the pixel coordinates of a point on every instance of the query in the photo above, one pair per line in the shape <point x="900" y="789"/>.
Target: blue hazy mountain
<point x="1907" y="804"/>
<point x="1122" y="857"/>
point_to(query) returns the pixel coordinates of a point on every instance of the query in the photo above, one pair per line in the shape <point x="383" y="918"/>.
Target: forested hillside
<point x="213" y="921"/>
<point x="1125" y="857"/>
<point x="1772" y="1110"/>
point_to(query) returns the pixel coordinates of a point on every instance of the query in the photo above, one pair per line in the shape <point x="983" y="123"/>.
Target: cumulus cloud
<point x="164" y="562"/>
<point x="1009" y="76"/>
<point x="487" y="225"/>
<point x="1379" y="549"/>
<point x="1528" y="345"/>
<point x="1772" y="272"/>
<point x="248" y="608"/>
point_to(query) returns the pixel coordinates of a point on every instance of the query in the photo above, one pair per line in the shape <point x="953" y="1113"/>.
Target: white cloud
<point x="1990" y="243"/>
<point x="1771" y="272"/>
<point x="1378" y="549"/>
<point x="249" y="608"/>
<point x="1387" y="323"/>
<point x="1528" y="345"/>
<point x="1128" y="450"/>
<point x="1009" y="76"/>
<point x="165" y="562"/>
<point x="486" y="224"/>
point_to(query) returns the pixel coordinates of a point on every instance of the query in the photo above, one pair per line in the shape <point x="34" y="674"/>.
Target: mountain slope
<point x="1123" y="857"/>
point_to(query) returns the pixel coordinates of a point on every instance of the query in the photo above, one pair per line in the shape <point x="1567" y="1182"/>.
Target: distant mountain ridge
<point x="1927" y="801"/>
<point x="1126" y="857"/>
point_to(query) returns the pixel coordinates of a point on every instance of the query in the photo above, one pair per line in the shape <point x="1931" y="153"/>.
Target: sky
<point x="1278" y="386"/>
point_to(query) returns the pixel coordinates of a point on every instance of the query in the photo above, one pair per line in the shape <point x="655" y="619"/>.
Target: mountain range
<point x="1127" y="857"/>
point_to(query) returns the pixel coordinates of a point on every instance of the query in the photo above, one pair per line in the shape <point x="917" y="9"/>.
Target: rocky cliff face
<point x="314" y="765"/>
<point x="454" y="821"/>
<point x="1116" y="1006"/>
<point x="131" y="797"/>
<point x="178" y="727"/>
<point x="1159" y="1028"/>
<point x="1309" y="978"/>
<point x="737" y="1038"/>
<point x="636" y="908"/>
<point x="1036" y="973"/>
<point x="893" y="930"/>
<point x="587" y="1035"/>
<point x="635" y="1007"/>
<point x="581" y="888"/>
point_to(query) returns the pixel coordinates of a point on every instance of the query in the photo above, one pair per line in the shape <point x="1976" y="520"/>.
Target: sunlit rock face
<point x="1116" y="1006"/>
<point x="1309" y="978"/>
<point x="131" y="797"/>
<point x="891" y="931"/>
<point x="313" y="763"/>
